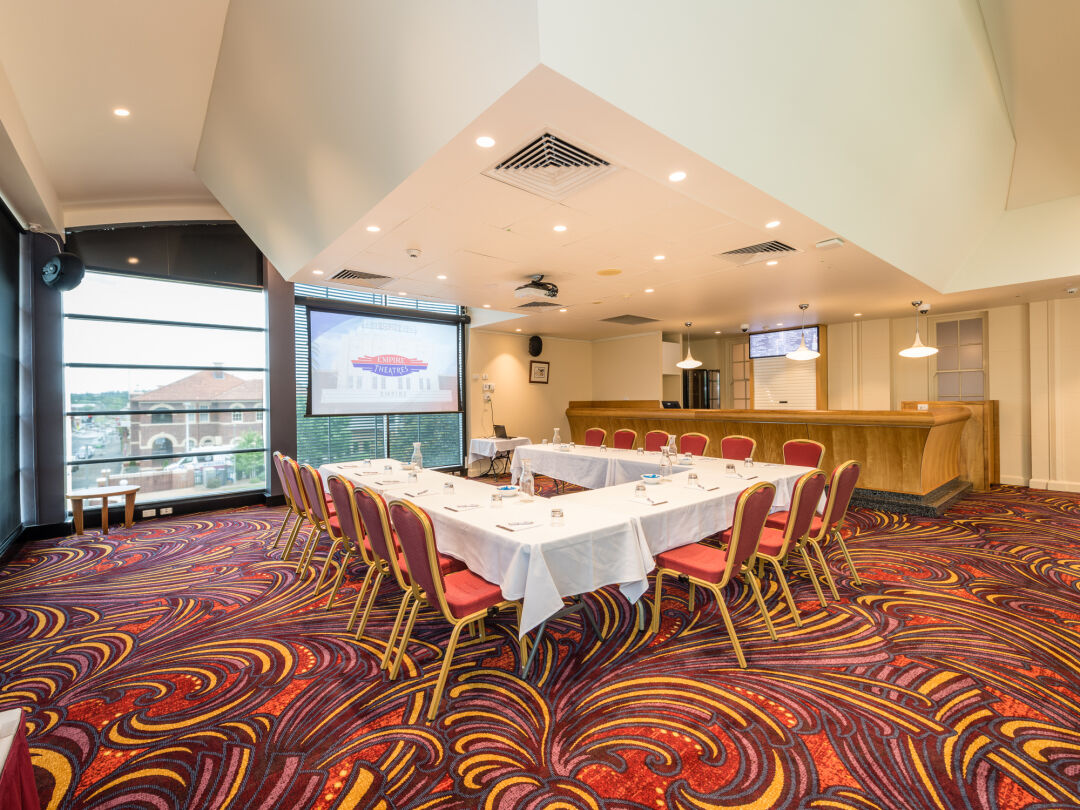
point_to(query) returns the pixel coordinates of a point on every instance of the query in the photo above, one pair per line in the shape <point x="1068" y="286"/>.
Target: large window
<point x="321" y="439"/>
<point x="156" y="374"/>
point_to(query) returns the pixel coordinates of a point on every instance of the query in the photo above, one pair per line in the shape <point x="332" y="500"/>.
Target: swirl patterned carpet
<point x="179" y="664"/>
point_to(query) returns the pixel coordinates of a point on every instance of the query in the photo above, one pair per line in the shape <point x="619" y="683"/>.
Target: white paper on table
<point x="519" y="526"/>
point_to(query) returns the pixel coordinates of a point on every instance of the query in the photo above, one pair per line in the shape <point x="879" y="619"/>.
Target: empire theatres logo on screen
<point x="389" y="365"/>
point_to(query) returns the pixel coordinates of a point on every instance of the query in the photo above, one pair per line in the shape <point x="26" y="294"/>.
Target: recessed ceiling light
<point x="559" y="228"/>
<point x="659" y="258"/>
<point x="485" y="141"/>
<point x="773" y="262"/>
<point x="402" y="293"/>
<point x="373" y="228"/>
<point x="779" y="324"/>
<point x="133" y="259"/>
<point x="858" y="314"/>
<point x="611" y="271"/>
<point x="676" y="177"/>
<point x="441" y="277"/>
<point x="649" y="289"/>
<point x="562" y="310"/>
<point x="517" y="330"/>
<point x="317" y="272"/>
<point x="487" y="306"/>
<point x="718" y="332"/>
<point x="121" y="112"/>
<point x="775" y="223"/>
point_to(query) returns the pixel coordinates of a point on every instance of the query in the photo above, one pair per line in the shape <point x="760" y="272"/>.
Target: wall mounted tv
<point x="779" y="343"/>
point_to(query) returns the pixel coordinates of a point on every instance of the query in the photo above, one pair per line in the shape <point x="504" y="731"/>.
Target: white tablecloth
<point x="488" y="446"/>
<point x="588" y="467"/>
<point x="595" y="547"/>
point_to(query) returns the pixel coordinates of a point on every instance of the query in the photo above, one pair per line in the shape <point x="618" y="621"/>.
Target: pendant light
<point x="688" y="361"/>
<point x="804" y="352"/>
<point x="918" y="348"/>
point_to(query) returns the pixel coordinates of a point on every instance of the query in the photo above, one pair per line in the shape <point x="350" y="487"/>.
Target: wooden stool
<point x="104" y="493"/>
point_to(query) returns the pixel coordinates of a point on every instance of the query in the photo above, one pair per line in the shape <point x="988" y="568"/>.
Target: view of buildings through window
<point x="165" y="386"/>
<point x="345" y="438"/>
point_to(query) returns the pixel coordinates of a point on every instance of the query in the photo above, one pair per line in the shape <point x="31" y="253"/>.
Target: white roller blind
<point x="782" y="384"/>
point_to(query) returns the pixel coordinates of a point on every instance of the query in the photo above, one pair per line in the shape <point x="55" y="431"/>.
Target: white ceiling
<point x="72" y="62"/>
<point x="487" y="237"/>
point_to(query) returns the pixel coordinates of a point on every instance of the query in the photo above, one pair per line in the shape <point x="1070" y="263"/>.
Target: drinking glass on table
<point x="557" y="518"/>
<point x="692" y="480"/>
<point x="448" y="488"/>
<point x="639" y="491"/>
<point x="748" y="463"/>
<point x="412" y="476"/>
<point x="641" y="451"/>
<point x="496" y="500"/>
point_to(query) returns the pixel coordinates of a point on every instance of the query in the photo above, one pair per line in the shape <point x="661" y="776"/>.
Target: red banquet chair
<point x="841" y="486"/>
<point x="655" y="440"/>
<point x="737" y="447"/>
<point x="695" y="443"/>
<point x="291" y="510"/>
<point x="803" y="453"/>
<point x="319" y="510"/>
<point x="777" y="543"/>
<point x="713" y="568"/>
<point x="291" y="471"/>
<point x="594" y="437"/>
<point x="388" y="562"/>
<point x="624" y="439"/>
<point x="347" y="529"/>
<point x="461" y="597"/>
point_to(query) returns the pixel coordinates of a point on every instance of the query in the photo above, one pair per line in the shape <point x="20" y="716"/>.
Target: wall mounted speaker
<point x="63" y="272"/>
<point x="536" y="345"/>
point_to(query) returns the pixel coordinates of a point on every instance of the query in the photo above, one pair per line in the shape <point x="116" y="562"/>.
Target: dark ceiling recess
<point x="537" y="305"/>
<point x="629" y="320"/>
<point x="762" y="247"/>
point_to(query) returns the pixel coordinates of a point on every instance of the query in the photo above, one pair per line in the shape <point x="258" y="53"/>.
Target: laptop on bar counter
<point x="500" y="432"/>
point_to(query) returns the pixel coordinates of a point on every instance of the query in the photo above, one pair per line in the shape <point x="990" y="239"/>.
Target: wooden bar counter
<point x="913" y="455"/>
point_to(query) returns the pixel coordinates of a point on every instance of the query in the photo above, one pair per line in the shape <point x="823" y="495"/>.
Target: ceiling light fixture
<point x="121" y="112"/>
<point x="517" y="330"/>
<point x="441" y="277"/>
<point x="918" y="348"/>
<point x="133" y="259"/>
<point x="659" y="258"/>
<point x="373" y="228"/>
<point x="649" y="289"/>
<point x="487" y="306"/>
<point x="858" y="314"/>
<point x="316" y="272"/>
<point x="562" y="310"/>
<point x="688" y="361"/>
<point x="559" y="228"/>
<point x="677" y="177"/>
<point x="402" y="293"/>
<point x="773" y="263"/>
<point x="718" y="332"/>
<point x="774" y="224"/>
<point x="803" y="352"/>
<point x="486" y="141"/>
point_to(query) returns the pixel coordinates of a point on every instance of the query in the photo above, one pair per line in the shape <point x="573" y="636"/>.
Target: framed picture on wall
<point x="538" y="371"/>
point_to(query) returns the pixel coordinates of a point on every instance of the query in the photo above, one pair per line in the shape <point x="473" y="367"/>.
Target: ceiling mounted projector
<point x="536" y="287"/>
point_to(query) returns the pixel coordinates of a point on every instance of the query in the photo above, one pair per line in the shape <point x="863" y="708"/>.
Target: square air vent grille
<point x="360" y="278"/>
<point x="550" y="167"/>
<point x="537" y="305"/>
<point x="756" y="253"/>
<point x="629" y="320"/>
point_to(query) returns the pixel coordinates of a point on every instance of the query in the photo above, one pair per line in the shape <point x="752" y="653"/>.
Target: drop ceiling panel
<point x="485" y="200"/>
<point x="540" y="226"/>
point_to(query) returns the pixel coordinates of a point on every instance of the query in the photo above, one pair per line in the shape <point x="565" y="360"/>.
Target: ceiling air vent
<point x="360" y="278"/>
<point x="629" y="320"/>
<point x="550" y="167"/>
<point x="756" y="253"/>
<point x="538" y="305"/>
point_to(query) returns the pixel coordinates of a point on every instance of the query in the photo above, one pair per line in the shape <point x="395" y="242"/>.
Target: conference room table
<point x="608" y="536"/>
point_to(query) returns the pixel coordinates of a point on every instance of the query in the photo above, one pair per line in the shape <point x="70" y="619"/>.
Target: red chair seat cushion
<point x="778" y="520"/>
<point x="330" y="508"/>
<point x="467" y="593"/>
<point x="772" y="540"/>
<point x="697" y="560"/>
<point x="448" y="565"/>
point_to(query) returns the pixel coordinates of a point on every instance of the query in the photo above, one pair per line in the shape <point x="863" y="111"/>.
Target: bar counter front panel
<point x="906" y="452"/>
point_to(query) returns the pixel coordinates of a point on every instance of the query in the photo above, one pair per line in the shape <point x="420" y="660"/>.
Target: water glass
<point x="641" y="451"/>
<point x="545" y="441"/>
<point x="603" y="448"/>
<point x="691" y="480"/>
<point x="388" y="467"/>
<point x="639" y="491"/>
<point x="448" y="488"/>
<point x="557" y="518"/>
<point x="496" y="500"/>
<point x="730" y="469"/>
<point x="411" y="476"/>
<point x="570" y="445"/>
<point x="748" y="463"/>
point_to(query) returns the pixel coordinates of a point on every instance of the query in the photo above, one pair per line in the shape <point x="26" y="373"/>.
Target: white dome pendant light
<point x="918" y="348"/>
<point x="804" y="352"/>
<point x="688" y="361"/>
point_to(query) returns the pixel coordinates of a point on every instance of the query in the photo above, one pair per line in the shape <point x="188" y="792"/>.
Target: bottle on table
<point x="671" y="448"/>
<point x="417" y="461"/>
<point x="665" y="464"/>
<point x="556" y="439"/>
<point x="526" y="483"/>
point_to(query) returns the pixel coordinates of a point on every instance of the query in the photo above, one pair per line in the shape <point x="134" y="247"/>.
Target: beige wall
<point x="858" y="379"/>
<point x="1009" y="382"/>
<point x="527" y="409"/>
<point x="628" y="368"/>
<point x="1054" y="335"/>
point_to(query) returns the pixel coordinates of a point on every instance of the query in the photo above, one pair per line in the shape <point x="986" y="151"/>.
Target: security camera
<point x="924" y="308"/>
<point x="412" y="253"/>
<point x="744" y="327"/>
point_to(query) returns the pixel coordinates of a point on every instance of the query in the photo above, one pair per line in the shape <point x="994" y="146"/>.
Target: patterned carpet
<point x="178" y="664"/>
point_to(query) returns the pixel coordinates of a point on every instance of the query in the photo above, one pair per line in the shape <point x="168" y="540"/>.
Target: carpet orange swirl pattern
<point x="182" y="664"/>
